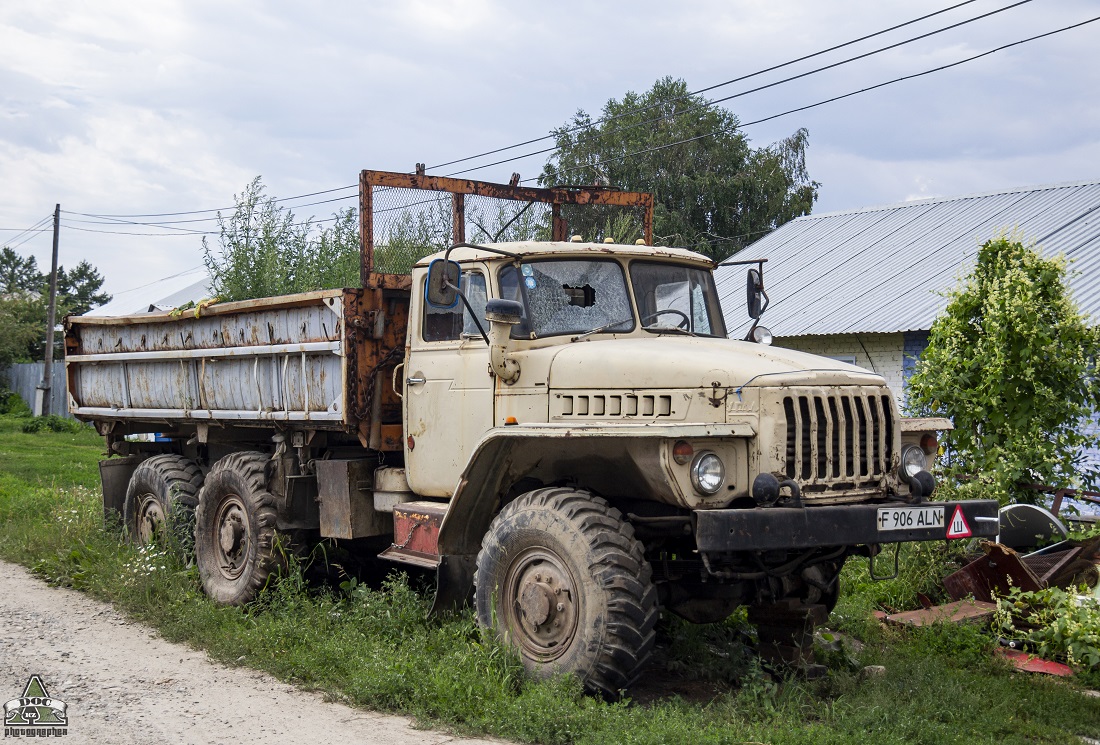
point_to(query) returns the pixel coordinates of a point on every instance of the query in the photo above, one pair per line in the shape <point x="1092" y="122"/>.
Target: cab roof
<point x="569" y="249"/>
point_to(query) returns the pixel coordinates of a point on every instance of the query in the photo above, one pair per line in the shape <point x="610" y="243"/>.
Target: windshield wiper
<point x="605" y="327"/>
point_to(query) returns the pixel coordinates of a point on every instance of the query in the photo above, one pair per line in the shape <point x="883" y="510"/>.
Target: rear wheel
<point x="561" y="577"/>
<point x="160" y="503"/>
<point x="235" y="537"/>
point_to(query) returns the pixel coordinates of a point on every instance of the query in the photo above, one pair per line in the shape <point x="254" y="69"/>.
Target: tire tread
<point x="618" y="564"/>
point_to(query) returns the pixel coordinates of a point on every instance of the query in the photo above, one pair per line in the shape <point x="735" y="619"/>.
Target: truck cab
<point x="570" y="376"/>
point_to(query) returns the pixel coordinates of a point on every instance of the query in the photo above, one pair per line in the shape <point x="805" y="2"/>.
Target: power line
<point x="124" y="232"/>
<point x="184" y="231"/>
<point x="155" y="281"/>
<point x="226" y="209"/>
<point x="803" y="58"/>
<point x="14" y="242"/>
<point x="757" y="89"/>
<point x="709" y="103"/>
<point x="101" y="219"/>
<point x="117" y="221"/>
<point x="598" y="121"/>
<point x="842" y="96"/>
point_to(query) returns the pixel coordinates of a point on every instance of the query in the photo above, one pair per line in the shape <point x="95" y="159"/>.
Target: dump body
<point x="303" y="359"/>
<point x="275" y="360"/>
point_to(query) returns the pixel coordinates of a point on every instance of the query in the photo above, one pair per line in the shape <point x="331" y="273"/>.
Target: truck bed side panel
<point x="276" y="359"/>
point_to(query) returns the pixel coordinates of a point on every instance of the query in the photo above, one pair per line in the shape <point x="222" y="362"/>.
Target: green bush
<point x="11" y="403"/>
<point x="1012" y="361"/>
<point x="1054" y="623"/>
<point x="53" y="423"/>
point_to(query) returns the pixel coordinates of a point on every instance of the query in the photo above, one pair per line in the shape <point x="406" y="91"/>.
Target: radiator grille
<point x="838" y="441"/>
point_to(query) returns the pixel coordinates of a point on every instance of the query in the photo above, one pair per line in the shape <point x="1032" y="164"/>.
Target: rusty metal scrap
<point x="992" y="574"/>
<point x="1066" y="565"/>
<point x="459" y="189"/>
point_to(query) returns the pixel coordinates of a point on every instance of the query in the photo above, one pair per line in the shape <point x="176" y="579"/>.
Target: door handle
<point x="393" y="381"/>
<point x="415" y="381"/>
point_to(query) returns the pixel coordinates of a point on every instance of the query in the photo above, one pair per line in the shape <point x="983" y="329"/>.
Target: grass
<point x="372" y="646"/>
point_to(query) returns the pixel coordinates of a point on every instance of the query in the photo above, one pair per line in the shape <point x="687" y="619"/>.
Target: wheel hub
<point x="232" y="543"/>
<point x="150" y="521"/>
<point x="543" y="613"/>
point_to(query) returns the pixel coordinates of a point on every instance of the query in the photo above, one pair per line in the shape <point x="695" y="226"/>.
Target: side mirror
<point x="442" y="288"/>
<point x="755" y="292"/>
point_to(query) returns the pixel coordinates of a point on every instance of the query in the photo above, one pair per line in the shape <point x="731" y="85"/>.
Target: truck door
<point x="448" y="390"/>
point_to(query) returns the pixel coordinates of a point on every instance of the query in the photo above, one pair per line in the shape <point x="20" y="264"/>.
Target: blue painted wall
<point x="913" y="343"/>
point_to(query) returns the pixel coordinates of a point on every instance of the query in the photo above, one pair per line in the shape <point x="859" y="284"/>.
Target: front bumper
<point x="770" y="528"/>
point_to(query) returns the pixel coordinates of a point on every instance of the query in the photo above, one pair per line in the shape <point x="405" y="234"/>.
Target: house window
<point x="849" y="358"/>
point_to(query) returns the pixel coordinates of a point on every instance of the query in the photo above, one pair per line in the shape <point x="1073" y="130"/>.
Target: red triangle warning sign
<point x="958" y="527"/>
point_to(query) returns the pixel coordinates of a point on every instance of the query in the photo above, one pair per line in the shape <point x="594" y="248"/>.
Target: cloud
<point x="166" y="106"/>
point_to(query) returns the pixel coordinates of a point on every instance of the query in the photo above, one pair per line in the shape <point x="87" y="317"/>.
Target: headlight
<point x="912" y="461"/>
<point x="762" y="335"/>
<point x="707" y="473"/>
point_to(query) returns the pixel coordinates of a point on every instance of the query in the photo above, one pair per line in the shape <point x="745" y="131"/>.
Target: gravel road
<point x="124" y="684"/>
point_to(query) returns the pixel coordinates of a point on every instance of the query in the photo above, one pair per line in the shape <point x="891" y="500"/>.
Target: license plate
<point x="910" y="518"/>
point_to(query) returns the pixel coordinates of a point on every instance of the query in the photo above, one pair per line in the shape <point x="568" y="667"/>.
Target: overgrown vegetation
<point x="371" y="644"/>
<point x="263" y="250"/>
<point x="1012" y="361"/>
<point x="1055" y="624"/>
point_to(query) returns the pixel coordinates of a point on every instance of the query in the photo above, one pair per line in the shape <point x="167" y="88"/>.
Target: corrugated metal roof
<point x="884" y="269"/>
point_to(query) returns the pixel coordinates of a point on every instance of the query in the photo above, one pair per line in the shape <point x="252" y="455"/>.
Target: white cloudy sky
<point x="148" y="107"/>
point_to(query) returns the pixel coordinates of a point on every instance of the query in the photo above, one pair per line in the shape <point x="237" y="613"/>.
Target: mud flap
<point x="454" y="583"/>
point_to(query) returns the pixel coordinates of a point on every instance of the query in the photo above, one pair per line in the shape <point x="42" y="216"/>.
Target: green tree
<point x="79" y="290"/>
<point x="1011" y="361"/>
<point x="24" y="302"/>
<point x="264" y="251"/>
<point x="18" y="273"/>
<point x="713" y="191"/>
<point x="22" y="328"/>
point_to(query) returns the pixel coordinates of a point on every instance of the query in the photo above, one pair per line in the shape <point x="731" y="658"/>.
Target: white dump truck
<point x="561" y="430"/>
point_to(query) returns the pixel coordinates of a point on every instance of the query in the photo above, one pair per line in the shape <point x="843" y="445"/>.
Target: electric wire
<point x="612" y="118"/>
<point x="803" y="58"/>
<point x="850" y="94"/>
<point x="155" y="281"/>
<point x="687" y="140"/>
<point x="27" y="234"/>
<point x="757" y="89"/>
<point x="226" y="209"/>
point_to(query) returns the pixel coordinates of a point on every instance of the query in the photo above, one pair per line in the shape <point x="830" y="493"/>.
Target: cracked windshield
<point x="570" y="297"/>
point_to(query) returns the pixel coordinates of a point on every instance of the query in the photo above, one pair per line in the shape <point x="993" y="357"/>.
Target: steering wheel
<point x="685" y="324"/>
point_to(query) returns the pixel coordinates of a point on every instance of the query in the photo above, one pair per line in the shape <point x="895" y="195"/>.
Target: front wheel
<point x="235" y="539"/>
<point x="561" y="578"/>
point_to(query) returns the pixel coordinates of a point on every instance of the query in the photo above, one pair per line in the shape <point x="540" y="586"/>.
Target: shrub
<point x="52" y="423"/>
<point x="1012" y="361"/>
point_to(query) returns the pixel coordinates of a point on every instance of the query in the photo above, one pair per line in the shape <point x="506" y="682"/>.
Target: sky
<point x="126" y="108"/>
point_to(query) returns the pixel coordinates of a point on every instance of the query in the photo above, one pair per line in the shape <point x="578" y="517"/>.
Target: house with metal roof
<point x="864" y="286"/>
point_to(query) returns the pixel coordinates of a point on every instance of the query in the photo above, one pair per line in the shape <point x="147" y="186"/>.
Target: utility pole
<point x="44" y="392"/>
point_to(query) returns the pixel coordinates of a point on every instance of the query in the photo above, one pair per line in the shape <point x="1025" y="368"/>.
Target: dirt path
<point x="124" y="684"/>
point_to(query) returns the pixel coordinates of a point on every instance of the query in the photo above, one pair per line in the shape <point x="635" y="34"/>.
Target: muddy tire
<point x="562" y="579"/>
<point x="160" y="503"/>
<point x="235" y="539"/>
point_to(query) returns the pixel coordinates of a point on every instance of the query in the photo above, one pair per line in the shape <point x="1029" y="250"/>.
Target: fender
<point x="507" y="454"/>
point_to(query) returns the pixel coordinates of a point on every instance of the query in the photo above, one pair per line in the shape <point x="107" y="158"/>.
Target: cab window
<point x="449" y="324"/>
